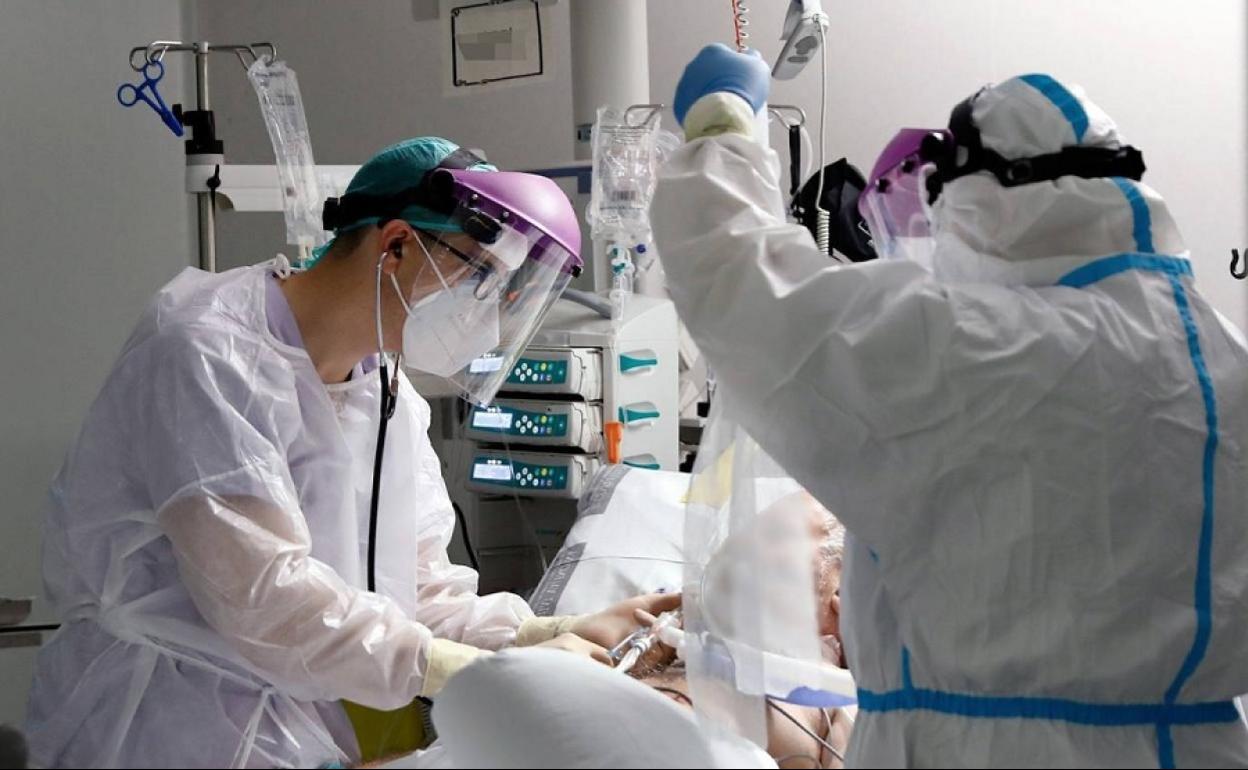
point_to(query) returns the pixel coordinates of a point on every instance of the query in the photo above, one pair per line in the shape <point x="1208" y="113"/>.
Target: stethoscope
<point x="389" y="399"/>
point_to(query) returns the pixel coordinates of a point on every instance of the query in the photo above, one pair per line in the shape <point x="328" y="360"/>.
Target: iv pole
<point x="205" y="153"/>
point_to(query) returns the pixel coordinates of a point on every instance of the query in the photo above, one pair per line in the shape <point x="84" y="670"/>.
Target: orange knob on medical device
<point x="614" y="432"/>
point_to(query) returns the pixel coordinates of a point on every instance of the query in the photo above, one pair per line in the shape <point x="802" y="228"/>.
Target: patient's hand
<point x="575" y="644"/>
<point x="609" y="627"/>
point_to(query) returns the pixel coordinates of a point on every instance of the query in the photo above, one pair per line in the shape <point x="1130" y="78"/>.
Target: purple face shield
<point x="518" y="250"/>
<point x="522" y="250"/>
<point x="530" y="205"/>
<point x="892" y="204"/>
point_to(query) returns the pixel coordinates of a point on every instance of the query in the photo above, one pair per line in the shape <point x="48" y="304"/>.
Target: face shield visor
<point x="893" y="204"/>
<point x="500" y="246"/>
<point x="485" y="301"/>
<point x="495" y="281"/>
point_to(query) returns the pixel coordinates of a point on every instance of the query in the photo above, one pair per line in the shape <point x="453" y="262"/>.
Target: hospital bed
<point x="627" y="540"/>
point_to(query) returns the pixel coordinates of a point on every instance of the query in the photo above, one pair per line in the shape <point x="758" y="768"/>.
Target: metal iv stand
<point x="205" y="153"/>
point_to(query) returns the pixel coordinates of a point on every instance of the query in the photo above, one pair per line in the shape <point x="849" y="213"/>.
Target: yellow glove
<point x="445" y="659"/>
<point x="537" y="630"/>
<point x="719" y="113"/>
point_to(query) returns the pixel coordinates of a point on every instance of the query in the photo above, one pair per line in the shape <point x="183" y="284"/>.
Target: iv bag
<point x="754" y="593"/>
<point x="625" y="167"/>
<point x="282" y="107"/>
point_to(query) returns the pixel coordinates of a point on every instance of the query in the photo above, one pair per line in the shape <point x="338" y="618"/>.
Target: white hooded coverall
<point x="1038" y="447"/>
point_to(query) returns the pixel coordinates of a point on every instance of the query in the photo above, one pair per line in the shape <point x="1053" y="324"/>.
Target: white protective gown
<point x="206" y="549"/>
<point x="1038" y="449"/>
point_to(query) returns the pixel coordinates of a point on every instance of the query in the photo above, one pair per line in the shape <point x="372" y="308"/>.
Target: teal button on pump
<point x="647" y="466"/>
<point x="629" y="363"/>
<point x="635" y="415"/>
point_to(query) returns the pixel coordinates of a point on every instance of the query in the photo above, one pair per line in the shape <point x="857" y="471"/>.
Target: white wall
<point x="1173" y="75"/>
<point x="92" y="220"/>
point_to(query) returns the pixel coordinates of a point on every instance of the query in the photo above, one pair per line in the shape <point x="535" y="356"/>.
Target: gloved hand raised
<point x="718" y="68"/>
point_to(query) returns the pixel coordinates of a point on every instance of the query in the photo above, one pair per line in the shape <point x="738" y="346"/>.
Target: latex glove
<point x="717" y="68"/>
<point x="609" y="627"/>
<point x="578" y="646"/>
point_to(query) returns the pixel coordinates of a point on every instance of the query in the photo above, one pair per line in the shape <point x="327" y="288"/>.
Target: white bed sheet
<point x="627" y="540"/>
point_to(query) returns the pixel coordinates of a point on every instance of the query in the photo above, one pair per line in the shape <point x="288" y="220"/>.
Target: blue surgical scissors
<point x="129" y="95"/>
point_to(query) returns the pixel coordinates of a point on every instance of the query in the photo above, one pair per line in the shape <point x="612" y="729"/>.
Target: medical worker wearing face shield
<point x="210" y="548"/>
<point x="1034" y="429"/>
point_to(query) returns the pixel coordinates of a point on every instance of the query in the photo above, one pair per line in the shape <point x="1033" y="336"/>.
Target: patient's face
<point x="792" y="544"/>
<point x="827" y="538"/>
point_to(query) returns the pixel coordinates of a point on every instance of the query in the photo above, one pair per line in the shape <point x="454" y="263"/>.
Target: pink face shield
<point x="893" y="203"/>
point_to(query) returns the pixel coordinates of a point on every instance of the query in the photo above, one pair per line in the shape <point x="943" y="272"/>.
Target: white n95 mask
<point x="448" y="329"/>
<point x="490" y="300"/>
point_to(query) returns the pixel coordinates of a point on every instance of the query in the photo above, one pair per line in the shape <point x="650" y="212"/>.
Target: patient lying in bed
<point x="537" y="708"/>
<point x="796" y="735"/>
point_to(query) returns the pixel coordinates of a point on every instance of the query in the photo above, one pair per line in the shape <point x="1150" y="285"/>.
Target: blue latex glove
<point x="719" y="68"/>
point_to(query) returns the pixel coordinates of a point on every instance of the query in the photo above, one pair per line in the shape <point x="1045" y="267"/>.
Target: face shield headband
<point x="434" y="192"/>
<point x="960" y="151"/>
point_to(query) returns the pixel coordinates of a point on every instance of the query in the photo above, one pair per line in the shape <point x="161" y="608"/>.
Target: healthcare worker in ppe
<point x="210" y="548"/>
<point x="1036" y="438"/>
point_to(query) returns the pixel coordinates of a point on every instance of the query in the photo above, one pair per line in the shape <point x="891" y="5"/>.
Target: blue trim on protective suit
<point x="1109" y="266"/>
<point x="1204" y="562"/>
<point x="1054" y="709"/>
<point x="1062" y="99"/>
<point x="1142" y="230"/>
<point x="911" y="698"/>
<point x="1142" y="220"/>
<point x="1169" y="712"/>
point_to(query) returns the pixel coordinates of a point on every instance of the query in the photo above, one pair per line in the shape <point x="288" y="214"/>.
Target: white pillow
<point x="541" y="708"/>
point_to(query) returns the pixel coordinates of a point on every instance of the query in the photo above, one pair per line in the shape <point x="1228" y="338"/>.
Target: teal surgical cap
<point x="395" y="169"/>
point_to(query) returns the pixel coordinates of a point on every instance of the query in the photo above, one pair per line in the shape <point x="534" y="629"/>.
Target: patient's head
<point x="792" y="545"/>
<point x="829" y="538"/>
